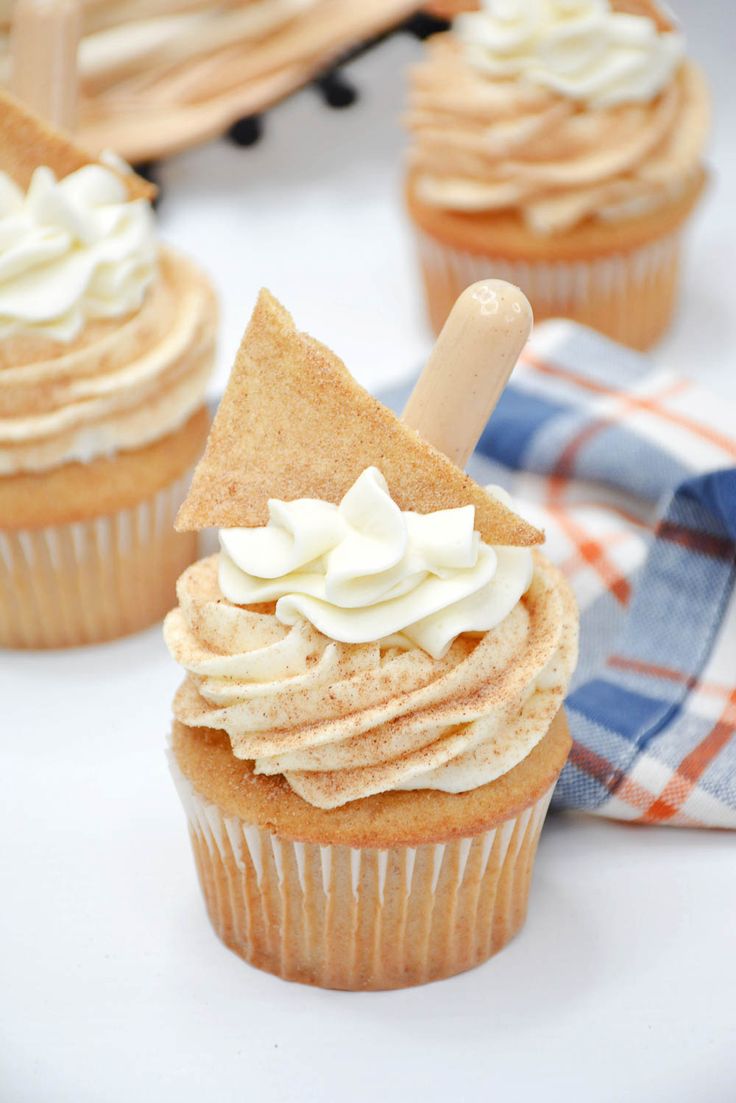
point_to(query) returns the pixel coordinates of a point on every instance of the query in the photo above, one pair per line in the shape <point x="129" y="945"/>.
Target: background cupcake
<point x="558" y="145"/>
<point x="371" y="725"/>
<point x="106" y="344"/>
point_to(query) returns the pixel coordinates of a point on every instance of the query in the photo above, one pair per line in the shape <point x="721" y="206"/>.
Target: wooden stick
<point x="469" y="367"/>
<point x="44" y="43"/>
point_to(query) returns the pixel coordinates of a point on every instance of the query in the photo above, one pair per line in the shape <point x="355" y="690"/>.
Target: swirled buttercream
<point x="582" y="49"/>
<point x="120" y="385"/>
<point x="341" y="721"/>
<point x="72" y="250"/>
<point x="364" y="570"/>
<point x="610" y="139"/>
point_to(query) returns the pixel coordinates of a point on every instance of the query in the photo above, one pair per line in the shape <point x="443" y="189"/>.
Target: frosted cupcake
<point x="106" y="345"/>
<point x="558" y="144"/>
<point x="371" y="723"/>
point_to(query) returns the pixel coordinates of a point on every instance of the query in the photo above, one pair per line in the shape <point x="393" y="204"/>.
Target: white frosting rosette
<point x="72" y="250"/>
<point x="582" y="49"/>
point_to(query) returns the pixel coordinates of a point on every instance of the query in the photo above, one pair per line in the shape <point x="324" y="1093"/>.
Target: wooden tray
<point x="158" y="76"/>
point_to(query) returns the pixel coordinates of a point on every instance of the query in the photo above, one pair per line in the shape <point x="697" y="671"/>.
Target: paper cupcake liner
<point x="94" y="580"/>
<point x="342" y="917"/>
<point x="628" y="296"/>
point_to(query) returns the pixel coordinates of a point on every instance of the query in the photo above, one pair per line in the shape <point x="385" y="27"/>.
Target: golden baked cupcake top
<point x="105" y="337"/>
<point x="557" y="110"/>
<point x="351" y="643"/>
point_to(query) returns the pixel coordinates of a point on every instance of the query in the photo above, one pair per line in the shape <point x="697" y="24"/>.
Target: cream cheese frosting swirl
<point x="343" y="719"/>
<point x="582" y="49"/>
<point x="72" y="250"/>
<point x="106" y="339"/>
<point x="364" y="570"/>
<point x="557" y="111"/>
<point x="121" y="384"/>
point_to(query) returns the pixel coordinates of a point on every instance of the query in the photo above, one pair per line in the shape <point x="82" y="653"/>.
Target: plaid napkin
<point x="632" y="473"/>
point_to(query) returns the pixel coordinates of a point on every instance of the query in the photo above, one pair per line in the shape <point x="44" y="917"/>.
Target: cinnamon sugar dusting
<point x="120" y="385"/>
<point x="341" y="722"/>
<point x="486" y="144"/>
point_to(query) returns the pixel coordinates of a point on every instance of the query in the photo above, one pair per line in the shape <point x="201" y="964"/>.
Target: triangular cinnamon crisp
<point x="293" y="423"/>
<point x="26" y="142"/>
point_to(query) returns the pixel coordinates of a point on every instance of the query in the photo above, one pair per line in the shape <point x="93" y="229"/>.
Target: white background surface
<point x="112" y="987"/>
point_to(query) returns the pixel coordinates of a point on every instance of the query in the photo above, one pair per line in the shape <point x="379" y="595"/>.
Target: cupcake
<point x="106" y="345"/>
<point x="370" y="725"/>
<point x="558" y="144"/>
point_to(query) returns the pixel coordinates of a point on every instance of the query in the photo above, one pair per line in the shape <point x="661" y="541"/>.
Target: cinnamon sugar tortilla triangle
<point x="26" y="142"/>
<point x="293" y="423"/>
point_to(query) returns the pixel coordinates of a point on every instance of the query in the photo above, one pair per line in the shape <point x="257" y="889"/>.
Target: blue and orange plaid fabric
<point x="632" y="473"/>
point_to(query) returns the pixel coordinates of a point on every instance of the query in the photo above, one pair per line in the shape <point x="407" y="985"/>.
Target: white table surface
<point x="112" y="987"/>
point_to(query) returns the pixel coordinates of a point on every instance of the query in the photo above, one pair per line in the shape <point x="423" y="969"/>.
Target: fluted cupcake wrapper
<point x="630" y="296"/>
<point x="89" y="581"/>
<point x="361" y="918"/>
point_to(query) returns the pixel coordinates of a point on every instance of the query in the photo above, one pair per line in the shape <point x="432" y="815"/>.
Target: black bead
<point x="247" y="131"/>
<point x="422" y="26"/>
<point x="335" y="90"/>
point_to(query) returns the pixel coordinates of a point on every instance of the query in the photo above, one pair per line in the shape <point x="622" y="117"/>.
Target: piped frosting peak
<point x="72" y="250"/>
<point x="582" y="49"/>
<point x="365" y="571"/>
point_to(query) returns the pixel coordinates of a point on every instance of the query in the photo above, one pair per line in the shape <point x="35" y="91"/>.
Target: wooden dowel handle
<point x="44" y="45"/>
<point x="469" y="367"/>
